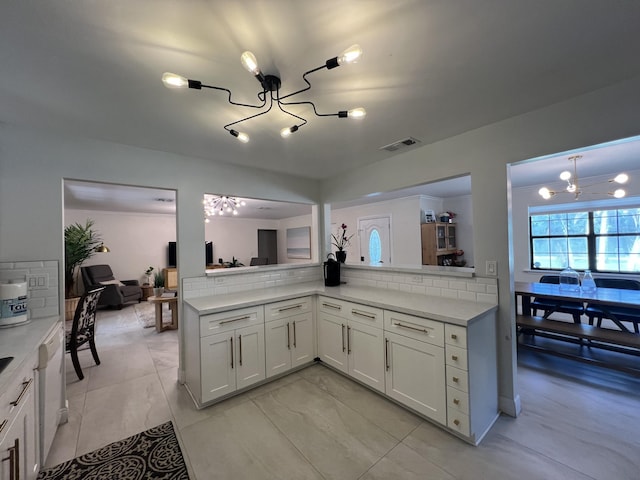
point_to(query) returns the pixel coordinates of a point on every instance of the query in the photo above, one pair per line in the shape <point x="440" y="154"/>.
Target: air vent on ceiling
<point x="395" y="146"/>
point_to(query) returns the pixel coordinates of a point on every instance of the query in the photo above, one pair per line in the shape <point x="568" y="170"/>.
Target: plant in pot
<point x="148" y="272"/>
<point x="80" y="244"/>
<point x="341" y="240"/>
<point x="158" y="284"/>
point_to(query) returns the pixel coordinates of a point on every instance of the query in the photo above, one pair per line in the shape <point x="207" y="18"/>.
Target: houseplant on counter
<point x="341" y="240"/>
<point x="80" y="243"/>
<point x="158" y="284"/>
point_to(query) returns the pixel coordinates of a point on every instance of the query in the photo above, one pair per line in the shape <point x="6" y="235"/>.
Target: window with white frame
<point x="586" y="236"/>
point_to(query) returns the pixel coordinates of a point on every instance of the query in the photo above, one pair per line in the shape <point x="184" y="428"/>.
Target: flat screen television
<point x="172" y="254"/>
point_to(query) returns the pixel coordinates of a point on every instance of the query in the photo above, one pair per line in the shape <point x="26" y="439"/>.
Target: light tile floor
<point x="578" y="422"/>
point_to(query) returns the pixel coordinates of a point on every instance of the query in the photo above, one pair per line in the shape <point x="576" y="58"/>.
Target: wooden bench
<point x="615" y="340"/>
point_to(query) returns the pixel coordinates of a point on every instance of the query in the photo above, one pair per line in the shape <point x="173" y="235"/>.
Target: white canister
<point x="13" y="304"/>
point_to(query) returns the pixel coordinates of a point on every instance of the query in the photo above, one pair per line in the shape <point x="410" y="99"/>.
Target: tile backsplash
<point x="43" y="300"/>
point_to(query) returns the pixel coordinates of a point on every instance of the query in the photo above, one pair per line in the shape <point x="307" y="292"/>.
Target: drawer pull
<point x="25" y="387"/>
<point x="361" y="314"/>
<point x="456" y="401"/>
<point x="246" y="317"/>
<point x="3" y="424"/>
<point x="343" y="347"/>
<point x="454" y="336"/>
<point x="421" y="330"/>
<point x="331" y="305"/>
<point x="292" y="307"/>
<point x="294" y="334"/>
<point x="348" y="340"/>
<point x="386" y="353"/>
<point x="456" y="379"/>
<point x="454" y="358"/>
<point x="240" y="348"/>
<point x="231" y="352"/>
<point x="288" y="338"/>
<point x="456" y="422"/>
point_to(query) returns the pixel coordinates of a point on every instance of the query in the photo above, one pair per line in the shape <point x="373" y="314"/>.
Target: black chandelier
<point x="271" y="84"/>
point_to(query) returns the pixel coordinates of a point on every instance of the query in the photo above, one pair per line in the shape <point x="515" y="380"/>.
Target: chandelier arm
<point x="304" y="77"/>
<point x="264" y="100"/>
<point x="304" y="121"/>
<point x="314" y="108"/>
<point x="250" y="117"/>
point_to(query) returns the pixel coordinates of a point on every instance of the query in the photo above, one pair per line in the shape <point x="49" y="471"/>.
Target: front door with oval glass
<point x="374" y="233"/>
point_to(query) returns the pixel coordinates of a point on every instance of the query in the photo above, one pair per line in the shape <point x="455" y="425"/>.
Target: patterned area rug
<point x="153" y="454"/>
<point x="146" y="313"/>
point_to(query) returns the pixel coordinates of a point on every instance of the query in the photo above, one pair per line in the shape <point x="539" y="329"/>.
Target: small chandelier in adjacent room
<point x="576" y="189"/>
<point x="221" y="205"/>
<point x="270" y="93"/>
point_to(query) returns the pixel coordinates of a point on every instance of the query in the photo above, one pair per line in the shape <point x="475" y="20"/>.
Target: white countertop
<point x="458" y="312"/>
<point x="21" y="343"/>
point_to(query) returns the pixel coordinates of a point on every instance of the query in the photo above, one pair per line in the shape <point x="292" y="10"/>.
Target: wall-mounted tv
<point x="172" y="257"/>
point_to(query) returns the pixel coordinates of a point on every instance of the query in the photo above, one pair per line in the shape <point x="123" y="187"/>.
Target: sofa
<point x="117" y="292"/>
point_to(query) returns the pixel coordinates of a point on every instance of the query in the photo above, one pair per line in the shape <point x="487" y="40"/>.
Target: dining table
<point x="605" y="298"/>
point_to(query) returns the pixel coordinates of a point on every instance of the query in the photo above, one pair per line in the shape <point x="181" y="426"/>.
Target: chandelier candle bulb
<point x="173" y="80"/>
<point x="249" y="62"/>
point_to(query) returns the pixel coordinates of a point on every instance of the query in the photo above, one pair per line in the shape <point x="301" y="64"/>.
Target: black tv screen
<point x="172" y="254"/>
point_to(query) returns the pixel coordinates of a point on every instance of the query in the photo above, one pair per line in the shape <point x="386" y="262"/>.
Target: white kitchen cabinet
<point x="18" y="429"/>
<point x="415" y="364"/>
<point x="231" y="356"/>
<point x="289" y="335"/>
<point x="350" y="338"/>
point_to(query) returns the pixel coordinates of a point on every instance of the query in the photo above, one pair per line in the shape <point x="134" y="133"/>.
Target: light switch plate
<point x="38" y="281"/>
<point x="492" y="267"/>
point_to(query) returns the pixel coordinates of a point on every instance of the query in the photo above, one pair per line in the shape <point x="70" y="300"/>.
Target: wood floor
<point x="577" y="421"/>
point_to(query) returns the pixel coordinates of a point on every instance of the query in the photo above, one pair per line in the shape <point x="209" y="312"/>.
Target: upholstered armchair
<point x="117" y="292"/>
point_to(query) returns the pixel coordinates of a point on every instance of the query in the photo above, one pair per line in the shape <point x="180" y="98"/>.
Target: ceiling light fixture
<point x="574" y="188"/>
<point x="271" y="88"/>
<point x="221" y="204"/>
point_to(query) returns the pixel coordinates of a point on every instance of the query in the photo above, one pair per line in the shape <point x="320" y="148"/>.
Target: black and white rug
<point x="153" y="454"/>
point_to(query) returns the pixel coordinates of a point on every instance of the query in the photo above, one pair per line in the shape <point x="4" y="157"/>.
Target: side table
<point x="173" y="307"/>
<point x="147" y="291"/>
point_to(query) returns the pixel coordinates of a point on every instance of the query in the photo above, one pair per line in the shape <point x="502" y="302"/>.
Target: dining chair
<point x="83" y="328"/>
<point x="623" y="314"/>
<point x="549" y="306"/>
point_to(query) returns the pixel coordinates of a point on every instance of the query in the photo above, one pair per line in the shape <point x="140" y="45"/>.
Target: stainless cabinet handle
<point x="456" y="422"/>
<point x="456" y="401"/>
<point x="421" y="330"/>
<point x="240" y="347"/>
<point x="343" y="347"/>
<point x="294" y="334"/>
<point x="25" y="387"/>
<point x="284" y="309"/>
<point x="454" y="358"/>
<point x="330" y="305"/>
<point x="361" y="314"/>
<point x="454" y="336"/>
<point x="231" y="352"/>
<point x="288" y="339"/>
<point x="14" y="460"/>
<point x="386" y="353"/>
<point x="3" y="424"/>
<point x="348" y="340"/>
<point x="246" y="317"/>
<point x="455" y="379"/>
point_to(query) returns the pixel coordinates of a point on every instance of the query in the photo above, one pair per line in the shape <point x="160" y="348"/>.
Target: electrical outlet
<point x="219" y="280"/>
<point x="416" y="279"/>
<point x="492" y="267"/>
<point x="38" y="281"/>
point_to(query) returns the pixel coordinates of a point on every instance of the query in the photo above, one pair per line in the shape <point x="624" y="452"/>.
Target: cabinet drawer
<point x="457" y="378"/>
<point x="455" y="335"/>
<point x="457" y="400"/>
<point x="230" y="320"/>
<point x="352" y="311"/>
<point x="458" y="421"/>
<point x="331" y="306"/>
<point x="456" y="356"/>
<point x="13" y="397"/>
<point x="286" y="308"/>
<point x="422" y="329"/>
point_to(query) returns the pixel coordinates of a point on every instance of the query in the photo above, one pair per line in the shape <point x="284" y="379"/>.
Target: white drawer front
<point x="457" y="400"/>
<point x="364" y="314"/>
<point x="332" y="306"/>
<point x="456" y="356"/>
<point x="230" y="320"/>
<point x="455" y="335"/>
<point x="286" y="308"/>
<point x="423" y="329"/>
<point x="459" y="422"/>
<point x="457" y="378"/>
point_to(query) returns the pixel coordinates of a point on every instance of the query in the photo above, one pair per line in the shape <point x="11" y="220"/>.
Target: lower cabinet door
<point x="302" y="349"/>
<point x="365" y="354"/>
<point x="217" y="362"/>
<point x="415" y="375"/>
<point x="250" y="359"/>
<point x="277" y="340"/>
<point x="332" y="341"/>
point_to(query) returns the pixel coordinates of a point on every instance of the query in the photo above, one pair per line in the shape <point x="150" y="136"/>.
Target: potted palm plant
<point x="158" y="284"/>
<point x="80" y="244"/>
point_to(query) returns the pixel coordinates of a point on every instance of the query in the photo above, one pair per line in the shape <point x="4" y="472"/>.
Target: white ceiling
<point x="431" y="69"/>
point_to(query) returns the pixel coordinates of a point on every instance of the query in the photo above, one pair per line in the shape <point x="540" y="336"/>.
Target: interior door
<point x="268" y="245"/>
<point x="375" y="233"/>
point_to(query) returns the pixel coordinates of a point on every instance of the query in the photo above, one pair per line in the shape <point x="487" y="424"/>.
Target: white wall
<point x="137" y="241"/>
<point x="524" y="197"/>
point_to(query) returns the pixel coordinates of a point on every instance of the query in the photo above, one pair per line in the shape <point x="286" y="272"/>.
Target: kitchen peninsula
<point x="435" y="357"/>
